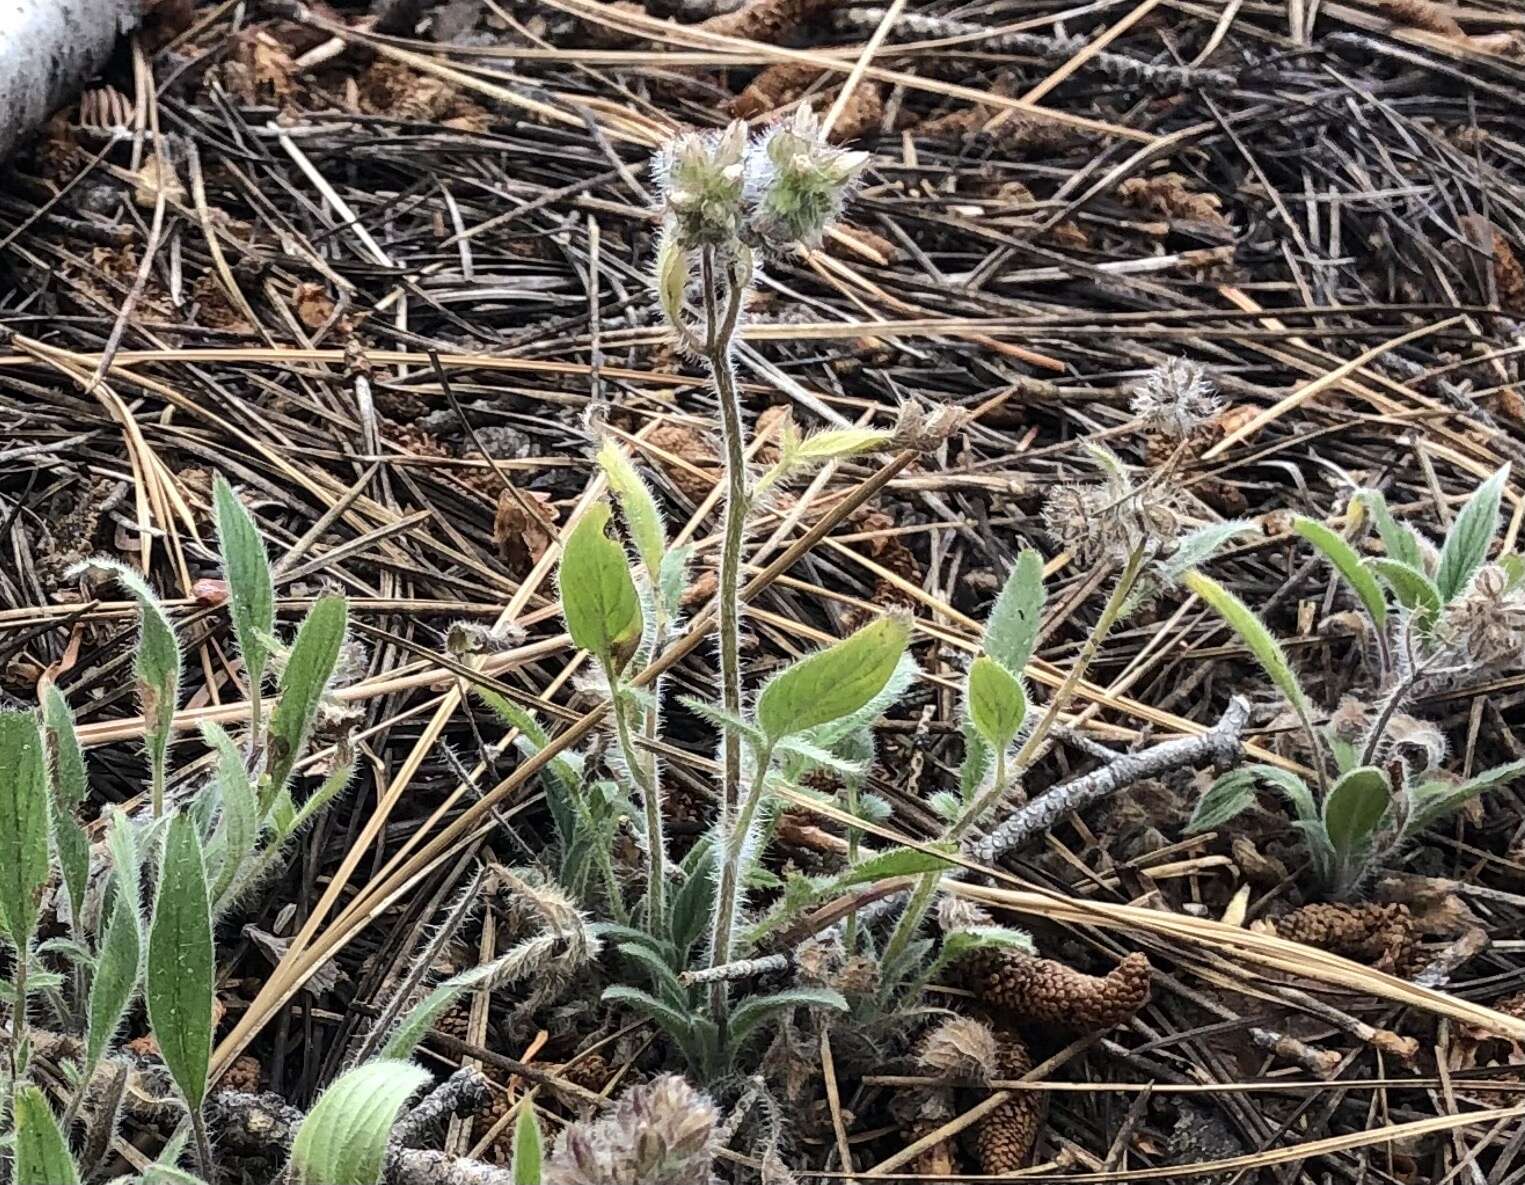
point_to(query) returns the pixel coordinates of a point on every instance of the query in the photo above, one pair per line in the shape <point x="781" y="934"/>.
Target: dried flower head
<point x="1176" y="398"/>
<point x="1487" y="622"/>
<point x="703" y="175"/>
<point x="961" y="1047"/>
<point x="922" y="428"/>
<point x="662" y="1133"/>
<point x="1416" y="742"/>
<point x="1350" y="720"/>
<point x="955" y="913"/>
<point x="1113" y="517"/>
<point x="797" y="182"/>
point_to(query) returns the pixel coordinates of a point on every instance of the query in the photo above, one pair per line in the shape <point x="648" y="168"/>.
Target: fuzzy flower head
<point x="961" y="1047"/>
<point x="662" y="1133"/>
<point x="1113" y="517"/>
<point x="798" y="182"/>
<point x="1487" y="622"/>
<point x="703" y="175"/>
<point x="1176" y="398"/>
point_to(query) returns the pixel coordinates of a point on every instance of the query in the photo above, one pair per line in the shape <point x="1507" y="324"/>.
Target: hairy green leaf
<point x="181" y="970"/>
<point x="525" y="1164"/>
<point x="24" y="864"/>
<point x="678" y="1025"/>
<point x="1430" y="801"/>
<point x="1467" y="543"/>
<point x="42" y="1153"/>
<point x="996" y="702"/>
<point x="116" y="975"/>
<point x="1200" y="545"/>
<point x="754" y="1010"/>
<point x="1401" y="542"/>
<point x="251" y="590"/>
<point x="1011" y="630"/>
<point x="642" y="517"/>
<point x="1348" y="564"/>
<point x="157" y="665"/>
<point x="840" y="442"/>
<point x="598" y="596"/>
<point x="1252" y="631"/>
<point x="343" y="1140"/>
<point x="416" y="1023"/>
<point x="834" y="682"/>
<point x="304" y="679"/>
<point x="1230" y="796"/>
<point x="1415" y="591"/>
<point x="70" y="785"/>
<point x="1355" y="807"/>
<point x="240" y="827"/>
<point x="672" y="580"/>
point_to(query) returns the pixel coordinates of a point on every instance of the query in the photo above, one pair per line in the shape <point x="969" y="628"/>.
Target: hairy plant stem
<point x="18" y="1021"/>
<point x="203" y="1143"/>
<point x="641" y="772"/>
<point x="908" y="925"/>
<point x="729" y="891"/>
<point x="720" y="332"/>
<point x="156" y="763"/>
<point x="256" y="712"/>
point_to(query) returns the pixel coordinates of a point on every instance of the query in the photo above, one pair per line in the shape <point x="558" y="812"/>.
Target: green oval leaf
<point x="246" y="566"/>
<point x="239" y="828"/>
<point x="1401" y="542"/>
<point x="1413" y="589"/>
<point x="598" y="596"/>
<point x="304" y="679"/>
<point x="1011" y="630"/>
<point x="24" y="865"/>
<point x="343" y="1140"/>
<point x="1467" y="543"/>
<point x="116" y="975"/>
<point x="525" y="1167"/>
<point x="181" y="969"/>
<point x="834" y="682"/>
<point x="639" y="507"/>
<point x="996" y="702"/>
<point x="1348" y="564"/>
<point x="1266" y="649"/>
<point x="70" y="783"/>
<point x="42" y="1153"/>
<point x="753" y="1010"/>
<point x="1355" y="807"/>
<point x="1230" y="796"/>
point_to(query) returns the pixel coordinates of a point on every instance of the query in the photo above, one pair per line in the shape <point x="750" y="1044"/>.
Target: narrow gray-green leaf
<point x="240" y="827"/>
<point x="157" y="663"/>
<point x="1011" y="630"/>
<point x="343" y="1140"/>
<point x="70" y="782"/>
<point x="525" y="1167"/>
<point x="1230" y="796"/>
<point x="1467" y="543"/>
<point x="996" y="702"/>
<point x="121" y="842"/>
<point x="1430" y="801"/>
<point x="116" y="976"/>
<point x="642" y="517"/>
<point x="753" y="1010"/>
<point x="181" y="969"/>
<point x="1355" y="807"/>
<point x="1252" y="631"/>
<point x="1401" y="542"/>
<point x="41" y="1152"/>
<point x="246" y="566"/>
<point x="416" y="1023"/>
<point x="1200" y="545"/>
<point x="24" y="864"/>
<point x="1415" y="591"/>
<point x="598" y="595"/>
<point x="309" y="667"/>
<point x="1348" y="564"/>
<point x="834" y="682"/>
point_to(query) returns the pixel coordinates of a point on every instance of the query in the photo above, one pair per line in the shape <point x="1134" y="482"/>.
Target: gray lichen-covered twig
<point x="49" y="49"/>
<point x="1221" y="744"/>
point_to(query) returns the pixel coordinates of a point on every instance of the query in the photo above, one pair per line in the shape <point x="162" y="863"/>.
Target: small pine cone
<point x="456" y="1022"/>
<point x="940" y="1160"/>
<point x="591" y="1072"/>
<point x="501" y="1150"/>
<point x="1030" y="988"/>
<point x="1005" y="1138"/>
<point x="244" y="1075"/>
<point x="1380" y="934"/>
